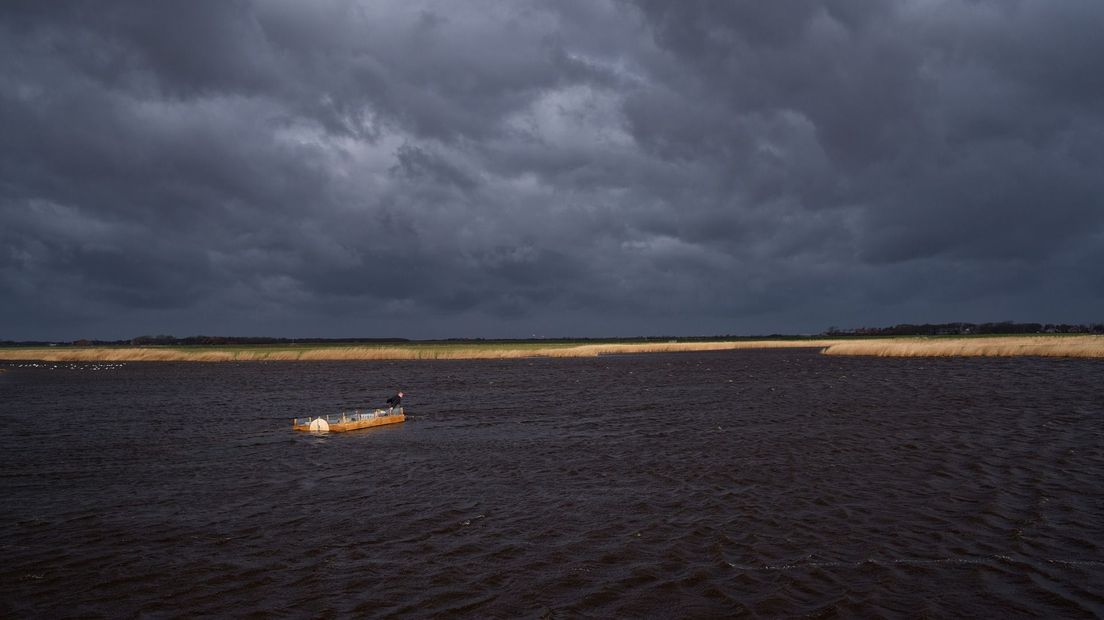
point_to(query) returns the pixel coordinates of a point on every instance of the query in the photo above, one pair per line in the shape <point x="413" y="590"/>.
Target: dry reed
<point x="414" y="352"/>
<point x="1000" y="346"/>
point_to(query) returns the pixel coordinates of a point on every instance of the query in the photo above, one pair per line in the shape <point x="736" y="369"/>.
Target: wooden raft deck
<point x="346" y="421"/>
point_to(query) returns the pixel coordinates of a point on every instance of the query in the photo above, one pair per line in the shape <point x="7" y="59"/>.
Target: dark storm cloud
<point x="504" y="168"/>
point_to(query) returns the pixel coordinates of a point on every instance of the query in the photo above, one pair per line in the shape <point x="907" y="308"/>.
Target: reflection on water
<point x="698" y="484"/>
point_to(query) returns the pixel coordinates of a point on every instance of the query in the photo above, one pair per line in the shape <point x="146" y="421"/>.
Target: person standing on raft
<point x="395" y="401"/>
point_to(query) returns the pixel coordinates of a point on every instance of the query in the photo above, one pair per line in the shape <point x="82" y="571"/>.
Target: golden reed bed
<point x="998" y="346"/>
<point x="1004" y="346"/>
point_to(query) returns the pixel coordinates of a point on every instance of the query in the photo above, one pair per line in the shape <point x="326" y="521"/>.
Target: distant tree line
<point x="904" y="329"/>
<point x="143" y="341"/>
<point x="164" y="340"/>
<point x="965" y="329"/>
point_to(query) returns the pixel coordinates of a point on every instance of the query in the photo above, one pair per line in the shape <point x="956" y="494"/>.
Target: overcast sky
<point x="433" y="169"/>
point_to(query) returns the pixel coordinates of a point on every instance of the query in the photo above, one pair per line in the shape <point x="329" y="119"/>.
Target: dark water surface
<point x="773" y="483"/>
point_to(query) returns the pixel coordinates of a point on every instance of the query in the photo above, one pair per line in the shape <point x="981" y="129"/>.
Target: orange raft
<point x="349" y="421"/>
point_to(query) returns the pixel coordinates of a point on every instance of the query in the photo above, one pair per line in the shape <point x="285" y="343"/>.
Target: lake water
<point x="773" y="483"/>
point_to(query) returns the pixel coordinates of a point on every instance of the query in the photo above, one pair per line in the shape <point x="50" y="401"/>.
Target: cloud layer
<point x="435" y="169"/>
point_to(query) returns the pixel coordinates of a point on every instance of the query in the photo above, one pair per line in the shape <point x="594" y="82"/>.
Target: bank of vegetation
<point x="400" y="351"/>
<point x="1085" y="344"/>
<point x="996" y="346"/>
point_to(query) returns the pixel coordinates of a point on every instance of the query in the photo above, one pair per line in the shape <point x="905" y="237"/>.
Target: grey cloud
<point x="929" y="126"/>
<point x="425" y="169"/>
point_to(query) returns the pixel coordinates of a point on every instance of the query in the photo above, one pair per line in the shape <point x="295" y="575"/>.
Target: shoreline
<point x="1076" y="346"/>
<point x="414" y="351"/>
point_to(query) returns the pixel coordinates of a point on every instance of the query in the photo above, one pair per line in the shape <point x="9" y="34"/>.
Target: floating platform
<point x="349" y="420"/>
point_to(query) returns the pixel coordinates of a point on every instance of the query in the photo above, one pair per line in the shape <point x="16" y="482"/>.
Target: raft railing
<point x="349" y="416"/>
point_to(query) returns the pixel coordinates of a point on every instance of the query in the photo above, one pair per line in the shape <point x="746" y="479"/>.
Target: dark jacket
<point x="394" y="401"/>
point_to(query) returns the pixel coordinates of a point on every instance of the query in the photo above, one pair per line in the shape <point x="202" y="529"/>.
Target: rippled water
<point x="775" y="483"/>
